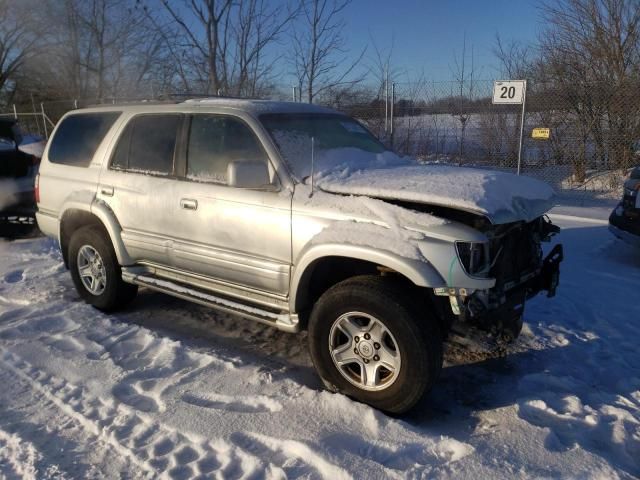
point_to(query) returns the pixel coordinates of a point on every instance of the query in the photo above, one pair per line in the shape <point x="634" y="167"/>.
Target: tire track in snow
<point x="20" y="458"/>
<point x="68" y="403"/>
<point x="147" y="367"/>
<point x="150" y="365"/>
<point x="289" y="450"/>
<point x="152" y="447"/>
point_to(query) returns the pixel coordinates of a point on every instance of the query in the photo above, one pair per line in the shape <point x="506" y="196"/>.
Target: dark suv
<point x="17" y="173"/>
<point x="624" y="221"/>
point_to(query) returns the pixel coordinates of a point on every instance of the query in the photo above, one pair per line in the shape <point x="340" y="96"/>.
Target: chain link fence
<point x="593" y="142"/>
<point x="594" y="132"/>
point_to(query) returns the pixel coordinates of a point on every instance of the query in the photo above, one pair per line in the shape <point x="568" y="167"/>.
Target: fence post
<point x="392" y="118"/>
<point x="44" y="121"/>
<point x="15" y="112"/>
<point x="75" y="104"/>
<point x="524" y="102"/>
<point x="386" y="101"/>
<point x="35" y="113"/>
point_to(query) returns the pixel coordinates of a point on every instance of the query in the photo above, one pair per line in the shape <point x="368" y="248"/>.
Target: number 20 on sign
<point x="509" y="92"/>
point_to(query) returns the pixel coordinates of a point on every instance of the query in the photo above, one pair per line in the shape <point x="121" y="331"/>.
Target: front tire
<point x="95" y="270"/>
<point x="369" y="340"/>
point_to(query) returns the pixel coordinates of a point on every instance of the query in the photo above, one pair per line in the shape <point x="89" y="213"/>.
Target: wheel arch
<point x="78" y="215"/>
<point x="322" y="266"/>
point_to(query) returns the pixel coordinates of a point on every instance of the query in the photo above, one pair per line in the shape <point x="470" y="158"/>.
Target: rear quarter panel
<point x="64" y="186"/>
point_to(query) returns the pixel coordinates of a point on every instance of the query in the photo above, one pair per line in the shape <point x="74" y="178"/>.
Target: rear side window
<point x="148" y="144"/>
<point x="79" y="136"/>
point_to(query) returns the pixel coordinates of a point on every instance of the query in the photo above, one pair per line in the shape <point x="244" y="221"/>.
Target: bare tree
<point x="591" y="53"/>
<point x="17" y="40"/>
<point x="381" y="67"/>
<point x="94" y="49"/>
<point x="464" y="78"/>
<point x="383" y="73"/>
<point x="516" y="59"/>
<point x="208" y="38"/>
<point x="224" y="47"/>
<point x="63" y="68"/>
<point x="257" y="25"/>
<point x="320" y="61"/>
<point x="413" y="131"/>
<point x="122" y="45"/>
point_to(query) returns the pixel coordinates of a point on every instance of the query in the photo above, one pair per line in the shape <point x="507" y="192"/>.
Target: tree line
<point x="131" y="48"/>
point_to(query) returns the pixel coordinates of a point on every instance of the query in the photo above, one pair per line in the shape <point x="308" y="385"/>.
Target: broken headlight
<point x="474" y="258"/>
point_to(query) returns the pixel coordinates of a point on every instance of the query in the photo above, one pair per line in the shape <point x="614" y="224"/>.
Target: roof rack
<point x="133" y="103"/>
<point x="214" y="98"/>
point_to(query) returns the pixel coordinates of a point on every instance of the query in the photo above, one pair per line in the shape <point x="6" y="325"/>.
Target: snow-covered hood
<point x="501" y="197"/>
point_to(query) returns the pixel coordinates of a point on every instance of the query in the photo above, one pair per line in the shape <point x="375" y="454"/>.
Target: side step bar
<point x="281" y="321"/>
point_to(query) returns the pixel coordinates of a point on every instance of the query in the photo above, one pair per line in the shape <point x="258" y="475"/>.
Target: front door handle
<point x="189" y="204"/>
<point x="107" y="191"/>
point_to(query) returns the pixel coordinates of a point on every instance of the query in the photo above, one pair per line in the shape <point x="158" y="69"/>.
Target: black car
<point x="17" y="173"/>
<point x="624" y="221"/>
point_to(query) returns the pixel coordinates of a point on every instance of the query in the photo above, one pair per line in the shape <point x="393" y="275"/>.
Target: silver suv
<point x="295" y="216"/>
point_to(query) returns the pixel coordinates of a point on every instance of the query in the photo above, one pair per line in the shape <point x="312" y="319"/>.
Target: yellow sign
<point x="541" y="133"/>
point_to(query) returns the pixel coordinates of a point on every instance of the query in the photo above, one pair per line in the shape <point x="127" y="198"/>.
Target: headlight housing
<point x="474" y="257"/>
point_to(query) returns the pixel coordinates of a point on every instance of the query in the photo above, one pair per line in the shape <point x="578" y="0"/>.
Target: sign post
<point x="512" y="92"/>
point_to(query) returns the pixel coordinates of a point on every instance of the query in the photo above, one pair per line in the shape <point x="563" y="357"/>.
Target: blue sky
<point x="428" y="32"/>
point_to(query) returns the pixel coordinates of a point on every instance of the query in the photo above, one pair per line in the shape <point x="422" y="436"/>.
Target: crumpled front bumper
<point x="500" y="312"/>
<point x="549" y="276"/>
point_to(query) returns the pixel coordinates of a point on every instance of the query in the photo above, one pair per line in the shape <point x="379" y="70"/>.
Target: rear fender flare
<point x="106" y="217"/>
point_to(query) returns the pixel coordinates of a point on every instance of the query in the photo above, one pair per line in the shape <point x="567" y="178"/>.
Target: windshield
<point x="339" y="142"/>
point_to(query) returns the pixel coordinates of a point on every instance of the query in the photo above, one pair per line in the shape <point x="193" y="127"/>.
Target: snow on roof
<point x="254" y="107"/>
<point x="259" y="106"/>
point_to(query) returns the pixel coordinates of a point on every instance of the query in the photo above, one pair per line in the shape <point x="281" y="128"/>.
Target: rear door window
<point x="148" y="144"/>
<point x="79" y="136"/>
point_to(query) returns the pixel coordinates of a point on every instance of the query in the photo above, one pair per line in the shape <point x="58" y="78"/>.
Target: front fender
<point x="421" y="273"/>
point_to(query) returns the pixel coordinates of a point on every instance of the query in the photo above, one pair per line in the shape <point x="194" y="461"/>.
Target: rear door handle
<point x="107" y="191"/>
<point x="189" y="204"/>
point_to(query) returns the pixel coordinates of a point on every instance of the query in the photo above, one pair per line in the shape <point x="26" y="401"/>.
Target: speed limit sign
<point x="508" y="92"/>
<point x="512" y="92"/>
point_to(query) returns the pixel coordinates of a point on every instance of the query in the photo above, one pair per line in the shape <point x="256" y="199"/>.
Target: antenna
<point x="313" y="141"/>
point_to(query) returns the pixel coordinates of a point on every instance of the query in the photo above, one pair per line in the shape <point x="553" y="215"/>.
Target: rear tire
<point x="95" y="270"/>
<point x="369" y="340"/>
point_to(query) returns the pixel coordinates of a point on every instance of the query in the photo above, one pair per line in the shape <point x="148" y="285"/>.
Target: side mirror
<point x="248" y="174"/>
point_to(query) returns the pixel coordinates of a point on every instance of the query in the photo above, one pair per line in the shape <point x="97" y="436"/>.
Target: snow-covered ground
<point x="169" y="387"/>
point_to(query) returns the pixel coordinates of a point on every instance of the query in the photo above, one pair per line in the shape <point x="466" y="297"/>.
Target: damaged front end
<point x="513" y="257"/>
